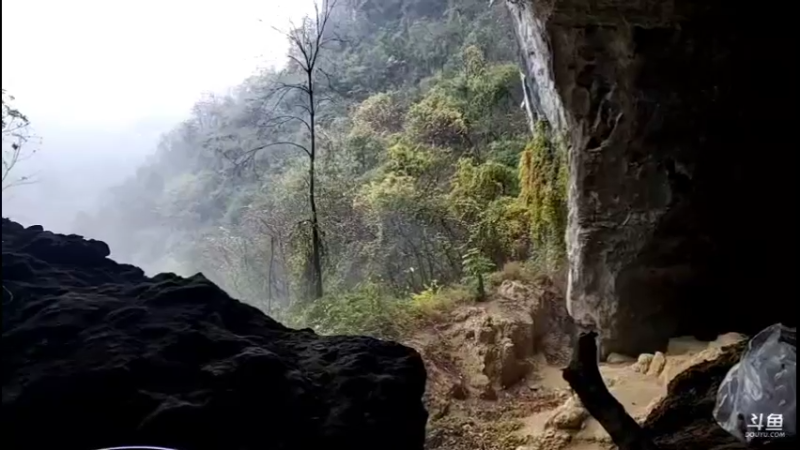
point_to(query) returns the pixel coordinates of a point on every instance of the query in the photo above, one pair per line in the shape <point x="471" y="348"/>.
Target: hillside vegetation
<point x="408" y="176"/>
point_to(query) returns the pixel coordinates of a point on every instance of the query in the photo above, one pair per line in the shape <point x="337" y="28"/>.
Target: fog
<point x="101" y="80"/>
<point x="192" y="138"/>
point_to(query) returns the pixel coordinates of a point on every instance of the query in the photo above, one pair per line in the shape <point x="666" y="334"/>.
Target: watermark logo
<point x="765" y="426"/>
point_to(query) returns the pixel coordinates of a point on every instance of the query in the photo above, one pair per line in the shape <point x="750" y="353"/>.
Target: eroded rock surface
<point x="683" y="419"/>
<point x="96" y="354"/>
<point x="668" y="108"/>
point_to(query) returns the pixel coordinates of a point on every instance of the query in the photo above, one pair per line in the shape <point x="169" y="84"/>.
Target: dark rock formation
<point x="96" y="354"/>
<point x="684" y="419"/>
<point x="681" y="194"/>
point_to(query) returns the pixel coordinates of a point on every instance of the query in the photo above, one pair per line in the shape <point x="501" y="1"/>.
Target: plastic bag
<point x="757" y="400"/>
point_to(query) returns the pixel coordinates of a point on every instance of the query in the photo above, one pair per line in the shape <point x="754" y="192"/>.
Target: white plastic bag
<point x="757" y="400"/>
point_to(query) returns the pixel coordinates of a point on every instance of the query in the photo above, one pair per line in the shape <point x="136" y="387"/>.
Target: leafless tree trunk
<point x="270" y="273"/>
<point x="307" y="41"/>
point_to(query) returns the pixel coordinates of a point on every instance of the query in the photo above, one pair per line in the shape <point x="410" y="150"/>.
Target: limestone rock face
<point x="675" y="210"/>
<point x="96" y="354"/>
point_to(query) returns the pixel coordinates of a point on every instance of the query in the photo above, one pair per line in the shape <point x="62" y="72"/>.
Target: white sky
<point x="116" y="61"/>
<point x="101" y="79"/>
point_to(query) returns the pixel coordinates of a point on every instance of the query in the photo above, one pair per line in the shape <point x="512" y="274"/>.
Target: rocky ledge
<point x="684" y="420"/>
<point x="96" y="354"/>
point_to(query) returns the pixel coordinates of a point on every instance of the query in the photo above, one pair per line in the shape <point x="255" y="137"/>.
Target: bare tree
<point x="295" y="99"/>
<point x="15" y="134"/>
<point x="303" y="101"/>
<point x="309" y="40"/>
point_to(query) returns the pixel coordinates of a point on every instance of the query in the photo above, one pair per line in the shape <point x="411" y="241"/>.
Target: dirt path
<point x="636" y="384"/>
<point x="495" y="381"/>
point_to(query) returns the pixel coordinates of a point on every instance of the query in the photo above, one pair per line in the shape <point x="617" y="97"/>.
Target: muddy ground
<point x="495" y="374"/>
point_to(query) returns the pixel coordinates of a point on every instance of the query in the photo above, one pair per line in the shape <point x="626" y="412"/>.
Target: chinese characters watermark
<point x="771" y="428"/>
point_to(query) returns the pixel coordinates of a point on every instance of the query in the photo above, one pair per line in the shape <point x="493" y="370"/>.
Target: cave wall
<point x="682" y="209"/>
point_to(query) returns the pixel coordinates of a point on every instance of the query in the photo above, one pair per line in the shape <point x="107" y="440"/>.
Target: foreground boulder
<point x="96" y="354"/>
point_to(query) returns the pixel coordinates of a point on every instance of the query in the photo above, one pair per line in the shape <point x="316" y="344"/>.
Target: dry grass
<point x="432" y="304"/>
<point x="514" y="271"/>
<point x="461" y="432"/>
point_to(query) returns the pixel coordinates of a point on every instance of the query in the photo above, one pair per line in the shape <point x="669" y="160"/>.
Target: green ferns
<point x="476" y="265"/>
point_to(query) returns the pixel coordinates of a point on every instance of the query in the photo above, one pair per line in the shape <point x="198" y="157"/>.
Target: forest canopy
<point x="394" y="132"/>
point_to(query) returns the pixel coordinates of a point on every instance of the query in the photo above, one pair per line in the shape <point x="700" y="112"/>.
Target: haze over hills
<point x="99" y="92"/>
<point x="478" y="180"/>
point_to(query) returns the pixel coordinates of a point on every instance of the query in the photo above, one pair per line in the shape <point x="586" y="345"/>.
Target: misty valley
<point x="394" y="224"/>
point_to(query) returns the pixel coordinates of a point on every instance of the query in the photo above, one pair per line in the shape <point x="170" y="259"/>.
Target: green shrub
<point x="514" y="271"/>
<point x="365" y="310"/>
<point x="430" y="304"/>
<point x="543" y="174"/>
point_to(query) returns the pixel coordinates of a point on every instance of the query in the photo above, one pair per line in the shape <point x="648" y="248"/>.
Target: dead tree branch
<point x="583" y="376"/>
<point x="16" y="136"/>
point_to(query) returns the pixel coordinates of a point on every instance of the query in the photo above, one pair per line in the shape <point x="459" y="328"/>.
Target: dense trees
<point x="408" y="177"/>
